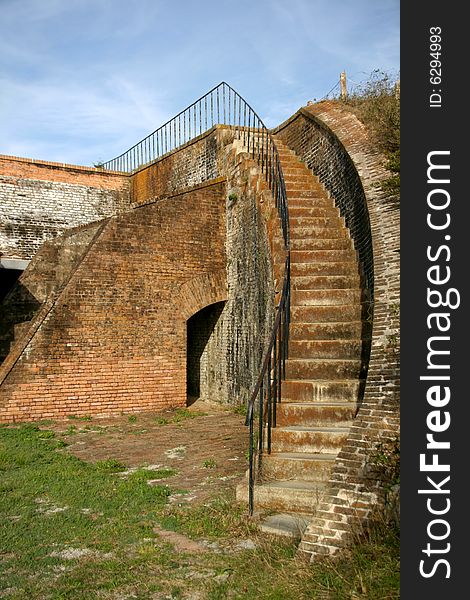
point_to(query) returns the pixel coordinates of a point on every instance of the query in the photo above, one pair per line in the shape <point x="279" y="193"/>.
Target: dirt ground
<point x="208" y="451"/>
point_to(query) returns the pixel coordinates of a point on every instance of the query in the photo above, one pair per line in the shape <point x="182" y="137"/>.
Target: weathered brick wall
<point x="229" y="364"/>
<point x="191" y="164"/>
<point x="114" y="338"/>
<point x="46" y="275"/>
<point x="39" y="200"/>
<point x="236" y="347"/>
<point x="354" y="488"/>
<point x="229" y="361"/>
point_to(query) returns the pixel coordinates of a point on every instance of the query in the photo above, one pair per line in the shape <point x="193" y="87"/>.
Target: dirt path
<point x="208" y="450"/>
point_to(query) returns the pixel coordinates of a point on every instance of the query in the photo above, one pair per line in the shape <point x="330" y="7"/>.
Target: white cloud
<point x="74" y="119"/>
<point x="83" y="80"/>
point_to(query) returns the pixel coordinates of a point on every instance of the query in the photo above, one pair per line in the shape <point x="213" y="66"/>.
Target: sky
<point x="83" y="80"/>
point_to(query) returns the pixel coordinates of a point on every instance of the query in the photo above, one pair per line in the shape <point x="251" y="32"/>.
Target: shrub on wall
<point x="377" y="104"/>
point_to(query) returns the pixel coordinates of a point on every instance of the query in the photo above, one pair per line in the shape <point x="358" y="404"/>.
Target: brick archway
<point x="200" y="291"/>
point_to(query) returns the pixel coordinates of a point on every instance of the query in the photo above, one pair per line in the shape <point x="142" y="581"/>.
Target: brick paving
<point x="207" y="451"/>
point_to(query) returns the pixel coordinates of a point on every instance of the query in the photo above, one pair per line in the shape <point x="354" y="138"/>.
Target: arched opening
<point x="202" y="349"/>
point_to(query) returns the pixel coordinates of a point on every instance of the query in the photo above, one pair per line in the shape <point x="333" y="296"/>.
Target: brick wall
<point x="191" y="164"/>
<point x="230" y="357"/>
<point x="114" y="338"/>
<point x="230" y="361"/>
<point x="45" y="276"/>
<point x="238" y="342"/>
<point x="39" y="200"/>
<point x="354" y="488"/>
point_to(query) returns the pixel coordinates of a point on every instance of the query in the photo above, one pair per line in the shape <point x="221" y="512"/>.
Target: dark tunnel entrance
<point x="200" y="328"/>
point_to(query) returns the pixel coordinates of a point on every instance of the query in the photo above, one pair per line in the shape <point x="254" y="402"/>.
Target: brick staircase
<point x="324" y="368"/>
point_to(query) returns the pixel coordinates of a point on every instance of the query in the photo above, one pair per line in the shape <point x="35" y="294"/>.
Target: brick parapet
<point x="188" y="165"/>
<point x="237" y="344"/>
<point x="39" y="200"/>
<point x="31" y="168"/>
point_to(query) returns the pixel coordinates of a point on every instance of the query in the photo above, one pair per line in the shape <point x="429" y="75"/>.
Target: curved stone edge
<point x="201" y="291"/>
<point x="355" y="488"/>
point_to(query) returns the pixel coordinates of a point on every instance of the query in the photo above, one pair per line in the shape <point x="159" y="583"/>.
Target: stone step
<point x="322" y="256"/>
<point x="284" y="150"/>
<point x="326" y="282"/>
<point x="312" y="440"/>
<point x="290" y="525"/>
<point x="292" y="496"/>
<point x="322" y="269"/>
<point x="328" y="391"/>
<point x="320" y="199"/>
<point x="313" y="211"/>
<point x="300" y="177"/>
<point x="323" y="233"/>
<point x="325" y="348"/>
<point x="316" y="191"/>
<point x="297" y="465"/>
<point x="303" y="185"/>
<point x="288" y="160"/>
<point x="327" y="331"/>
<point x="307" y="244"/>
<point x="287" y="155"/>
<point x="296" y="169"/>
<point x="336" y="222"/>
<point x="326" y="297"/>
<point x="323" y="368"/>
<point x="326" y="314"/>
<point x="308" y="414"/>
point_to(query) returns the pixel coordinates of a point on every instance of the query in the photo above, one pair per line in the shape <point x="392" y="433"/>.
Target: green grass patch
<point x="54" y="505"/>
<point x="240" y="409"/>
<point x="181" y="414"/>
<point x="80" y="418"/>
<point x="217" y="518"/>
<point x="73" y="530"/>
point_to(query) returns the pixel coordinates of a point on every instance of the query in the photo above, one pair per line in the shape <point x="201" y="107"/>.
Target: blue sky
<point x="83" y="80"/>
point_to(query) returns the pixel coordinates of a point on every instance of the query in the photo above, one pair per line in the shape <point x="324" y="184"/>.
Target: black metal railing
<point x="267" y="392"/>
<point x="224" y="106"/>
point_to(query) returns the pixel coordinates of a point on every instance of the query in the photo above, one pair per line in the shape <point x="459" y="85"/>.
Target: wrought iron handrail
<point x="222" y="105"/>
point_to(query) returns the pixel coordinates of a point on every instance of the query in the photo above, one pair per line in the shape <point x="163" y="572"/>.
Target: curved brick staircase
<point x="324" y="368"/>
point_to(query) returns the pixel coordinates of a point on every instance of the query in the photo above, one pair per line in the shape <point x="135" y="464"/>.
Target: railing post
<point x="342" y="82"/>
<point x="269" y="405"/>
<point x="250" y="472"/>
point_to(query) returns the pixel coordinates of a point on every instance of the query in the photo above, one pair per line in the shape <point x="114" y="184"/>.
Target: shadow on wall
<point x="8" y="278"/>
<point x="17" y="306"/>
<point x="200" y="327"/>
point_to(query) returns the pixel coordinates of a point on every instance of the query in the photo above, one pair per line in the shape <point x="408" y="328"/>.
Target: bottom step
<point x="286" y="524"/>
<point x="285" y="496"/>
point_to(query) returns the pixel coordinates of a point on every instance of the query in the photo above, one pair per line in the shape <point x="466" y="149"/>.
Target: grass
<point x="377" y="105"/>
<point x="181" y="415"/>
<point x="75" y="530"/>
